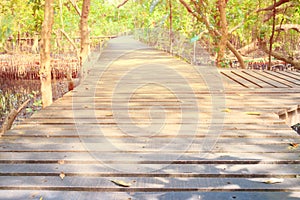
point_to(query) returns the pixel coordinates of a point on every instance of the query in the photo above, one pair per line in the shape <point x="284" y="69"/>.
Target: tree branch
<point x="248" y="48"/>
<point x="71" y="42"/>
<point x="236" y="27"/>
<point x="74" y="4"/>
<point x="295" y="63"/>
<point x="286" y="27"/>
<point x="9" y="120"/>
<point x="271" y="7"/>
<point x="122" y="4"/>
<point x="189" y="9"/>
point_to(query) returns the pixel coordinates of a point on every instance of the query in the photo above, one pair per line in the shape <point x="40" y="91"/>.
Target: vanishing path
<point x="144" y="125"/>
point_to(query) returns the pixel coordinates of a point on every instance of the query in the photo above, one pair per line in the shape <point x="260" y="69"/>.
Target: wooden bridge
<point x="145" y="125"/>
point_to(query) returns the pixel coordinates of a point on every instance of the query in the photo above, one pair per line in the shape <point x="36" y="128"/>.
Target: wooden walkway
<point x="144" y="125"/>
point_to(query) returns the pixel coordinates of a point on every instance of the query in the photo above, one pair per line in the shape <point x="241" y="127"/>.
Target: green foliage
<point x="6" y="25"/>
<point x="24" y="17"/>
<point x="37" y="13"/>
<point x="153" y="5"/>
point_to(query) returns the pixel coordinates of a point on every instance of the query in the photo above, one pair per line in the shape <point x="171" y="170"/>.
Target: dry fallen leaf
<point x="121" y="183"/>
<point x="62" y="175"/>
<point x="294" y="145"/>
<point x="273" y="180"/>
<point x="61" y="162"/>
<point x="226" y="110"/>
<point x="252" y="113"/>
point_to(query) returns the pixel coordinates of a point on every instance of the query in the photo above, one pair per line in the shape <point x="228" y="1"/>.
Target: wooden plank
<point x="239" y="80"/>
<point x="67" y="195"/>
<point x="216" y="127"/>
<point x="285" y="77"/>
<point x="279" y="80"/>
<point x="152" y="146"/>
<point x="295" y="73"/>
<point x="230" y="84"/>
<point x="174" y="170"/>
<point x="77" y="141"/>
<point x="143" y="115"/>
<point x="100" y="103"/>
<point x="12" y="135"/>
<point x="275" y="76"/>
<point x="268" y="79"/>
<point x="146" y="184"/>
<point x="293" y="76"/>
<point x="168" y="122"/>
<point x="150" y="158"/>
<point x="252" y="79"/>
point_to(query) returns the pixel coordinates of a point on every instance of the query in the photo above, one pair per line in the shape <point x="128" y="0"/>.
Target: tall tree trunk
<point x="45" y="70"/>
<point x="224" y="32"/>
<point x="84" y="31"/>
<point x="272" y="35"/>
<point x="171" y="26"/>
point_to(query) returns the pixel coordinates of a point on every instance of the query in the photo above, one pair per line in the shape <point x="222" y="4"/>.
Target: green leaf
<point x="29" y="110"/>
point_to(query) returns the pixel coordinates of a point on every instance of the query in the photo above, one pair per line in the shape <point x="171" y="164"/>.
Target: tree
<point x="45" y="70"/>
<point x="84" y="31"/>
<point x="200" y="14"/>
<point x="289" y="11"/>
<point x="223" y="30"/>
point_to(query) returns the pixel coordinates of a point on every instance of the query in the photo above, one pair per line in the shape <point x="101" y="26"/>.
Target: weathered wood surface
<point x="171" y="130"/>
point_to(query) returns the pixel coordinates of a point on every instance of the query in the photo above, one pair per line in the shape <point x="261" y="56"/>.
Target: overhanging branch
<point x="271" y="7"/>
<point x="295" y="63"/>
<point x="122" y="4"/>
<point x="74" y="4"/>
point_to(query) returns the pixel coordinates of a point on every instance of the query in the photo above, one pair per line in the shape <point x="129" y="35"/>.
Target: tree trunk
<point x="45" y="70"/>
<point x="238" y="56"/>
<point x="84" y="31"/>
<point x="272" y="36"/>
<point x="171" y="26"/>
<point x="224" y="32"/>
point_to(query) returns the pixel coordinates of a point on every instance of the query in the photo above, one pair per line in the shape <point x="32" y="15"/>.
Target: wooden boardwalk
<point x="144" y="125"/>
